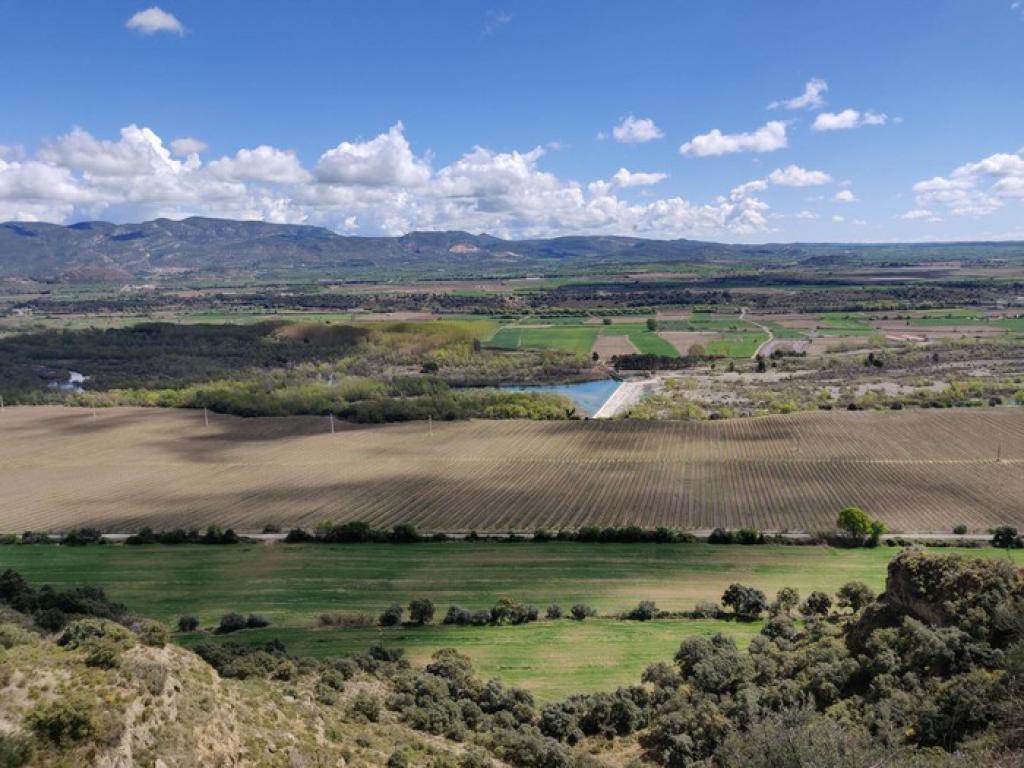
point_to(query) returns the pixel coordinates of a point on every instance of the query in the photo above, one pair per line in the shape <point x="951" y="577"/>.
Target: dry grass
<point x="124" y="468"/>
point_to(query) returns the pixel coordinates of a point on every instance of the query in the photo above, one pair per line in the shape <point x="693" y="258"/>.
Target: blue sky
<point x="502" y="117"/>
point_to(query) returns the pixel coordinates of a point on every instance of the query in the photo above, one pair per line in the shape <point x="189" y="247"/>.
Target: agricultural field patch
<point x="918" y="470"/>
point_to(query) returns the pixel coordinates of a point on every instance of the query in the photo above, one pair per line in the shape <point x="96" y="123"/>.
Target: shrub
<point x="15" y="750"/>
<point x="397" y="759"/>
<point x="706" y="610"/>
<point x="188" y="623"/>
<point x="749" y="536"/>
<point x="366" y="705"/>
<point x="554" y="611"/>
<point x="645" y="611"/>
<point x="256" y="621"/>
<point x="854" y="595"/>
<point x="151" y="633"/>
<point x="51" y="619"/>
<point x="816" y="604"/>
<point x="421" y="611"/>
<point x="64" y="721"/>
<point x="721" y="536"/>
<point x="391" y="616"/>
<point x="231" y="622"/>
<point x="582" y="611"/>
<point x="960" y="530"/>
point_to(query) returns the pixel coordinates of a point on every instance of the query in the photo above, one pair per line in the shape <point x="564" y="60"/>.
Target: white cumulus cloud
<point x="848" y="118"/>
<point x="153" y="20"/>
<point x="917" y="213"/>
<point x="375" y="186"/>
<point x="795" y="176"/>
<point x="386" y="160"/>
<point x="811" y="98"/>
<point x="978" y="188"/>
<point x="845" y="196"/>
<point x="636" y="130"/>
<point x="768" y="138"/>
<point x="185" y="146"/>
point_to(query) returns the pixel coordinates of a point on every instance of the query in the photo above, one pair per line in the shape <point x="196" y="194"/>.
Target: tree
<point x="858" y="527"/>
<point x="1005" y="537"/>
<point x="595" y="357"/>
<point x="786" y="599"/>
<point x="761" y="367"/>
<point x="816" y="604"/>
<point x="421" y="611"/>
<point x="188" y="624"/>
<point x="652" y="324"/>
<point x="607" y="321"/>
<point x="392" y="616"/>
<point x="746" y="602"/>
<point x="854" y="595"/>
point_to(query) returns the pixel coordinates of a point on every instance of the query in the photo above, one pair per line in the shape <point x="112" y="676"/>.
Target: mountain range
<point x="98" y="250"/>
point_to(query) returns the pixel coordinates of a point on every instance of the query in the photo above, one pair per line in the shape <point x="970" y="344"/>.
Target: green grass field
<point x="578" y="339"/>
<point x="741" y="344"/>
<point x="293" y="584"/>
<point x="646" y="342"/>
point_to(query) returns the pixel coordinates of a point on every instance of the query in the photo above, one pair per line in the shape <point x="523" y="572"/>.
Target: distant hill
<point x="98" y="250"/>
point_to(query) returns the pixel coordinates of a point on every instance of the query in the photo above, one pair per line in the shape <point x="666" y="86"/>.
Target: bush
<point x="554" y="611"/>
<point x="391" y="616"/>
<point x="816" y="604"/>
<point x="151" y="633"/>
<point x="582" y="611"/>
<point x="15" y="750"/>
<point x="706" y="610"/>
<point x="52" y="619"/>
<point x="721" y="536"/>
<point x="231" y="622"/>
<point x="421" y="611"/>
<point x="256" y="621"/>
<point x="397" y="759"/>
<point x="64" y="721"/>
<point x="960" y="530"/>
<point x="645" y="611"/>
<point x="188" y="623"/>
<point x="854" y="595"/>
<point x="366" y="705"/>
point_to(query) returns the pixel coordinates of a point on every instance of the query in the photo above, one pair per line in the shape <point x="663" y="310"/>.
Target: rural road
<point x="270" y="538"/>
<point x="765" y="328"/>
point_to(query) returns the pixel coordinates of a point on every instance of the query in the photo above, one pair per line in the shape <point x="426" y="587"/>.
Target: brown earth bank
<point x="123" y="468"/>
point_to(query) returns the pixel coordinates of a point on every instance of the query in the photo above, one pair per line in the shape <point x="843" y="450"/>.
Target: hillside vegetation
<point x="929" y="674"/>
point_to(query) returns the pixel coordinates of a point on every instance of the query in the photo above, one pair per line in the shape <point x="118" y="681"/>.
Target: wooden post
<point x="430" y="425"/>
<point x="332" y="422"/>
<point x="206" y="417"/>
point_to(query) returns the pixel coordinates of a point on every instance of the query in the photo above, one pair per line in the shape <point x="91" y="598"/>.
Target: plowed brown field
<point x="921" y="470"/>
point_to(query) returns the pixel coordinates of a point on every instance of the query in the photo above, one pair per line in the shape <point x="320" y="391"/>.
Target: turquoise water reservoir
<point x="589" y="396"/>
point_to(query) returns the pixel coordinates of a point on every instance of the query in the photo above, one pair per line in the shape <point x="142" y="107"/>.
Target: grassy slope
<point x="293" y="584"/>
